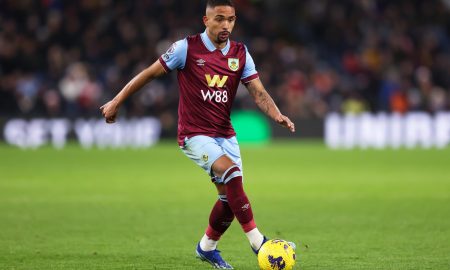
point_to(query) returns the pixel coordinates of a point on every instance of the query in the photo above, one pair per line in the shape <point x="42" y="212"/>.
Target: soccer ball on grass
<point x="276" y="254"/>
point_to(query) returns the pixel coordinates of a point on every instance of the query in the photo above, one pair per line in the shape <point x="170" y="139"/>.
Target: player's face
<point x="219" y="22"/>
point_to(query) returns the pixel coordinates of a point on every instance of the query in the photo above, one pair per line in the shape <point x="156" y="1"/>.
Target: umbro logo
<point x="200" y="62"/>
<point x="245" y="207"/>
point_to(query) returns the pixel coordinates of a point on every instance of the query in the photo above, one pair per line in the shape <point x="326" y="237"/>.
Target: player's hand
<point x="285" y="122"/>
<point x="109" y="111"/>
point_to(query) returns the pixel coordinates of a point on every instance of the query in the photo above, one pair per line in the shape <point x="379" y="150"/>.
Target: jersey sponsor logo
<point x="219" y="96"/>
<point x="233" y="64"/>
<point x="216" y="80"/>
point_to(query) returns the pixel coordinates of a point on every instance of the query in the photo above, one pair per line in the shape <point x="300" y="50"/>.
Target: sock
<point x="219" y="220"/>
<point x="221" y="215"/>
<point x="237" y="199"/>
<point x="240" y="205"/>
<point x="255" y="238"/>
<point x="207" y="244"/>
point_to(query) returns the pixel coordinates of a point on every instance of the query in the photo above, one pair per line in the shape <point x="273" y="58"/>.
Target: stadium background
<point x="66" y="58"/>
<point x="73" y="208"/>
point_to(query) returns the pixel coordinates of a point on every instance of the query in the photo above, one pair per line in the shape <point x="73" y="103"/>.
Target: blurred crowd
<point x="66" y="58"/>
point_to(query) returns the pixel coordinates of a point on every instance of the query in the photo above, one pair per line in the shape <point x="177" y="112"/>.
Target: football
<point x="276" y="254"/>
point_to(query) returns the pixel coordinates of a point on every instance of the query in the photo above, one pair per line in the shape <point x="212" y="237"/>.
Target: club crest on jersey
<point x="233" y="64"/>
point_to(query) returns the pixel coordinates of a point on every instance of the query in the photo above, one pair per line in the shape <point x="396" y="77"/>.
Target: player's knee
<point x="221" y="166"/>
<point x="223" y="198"/>
<point x="221" y="190"/>
<point x="232" y="173"/>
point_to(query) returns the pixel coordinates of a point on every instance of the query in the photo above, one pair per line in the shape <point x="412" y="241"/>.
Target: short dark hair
<point x="215" y="3"/>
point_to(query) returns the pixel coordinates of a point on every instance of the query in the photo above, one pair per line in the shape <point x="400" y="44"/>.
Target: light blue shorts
<point x="204" y="151"/>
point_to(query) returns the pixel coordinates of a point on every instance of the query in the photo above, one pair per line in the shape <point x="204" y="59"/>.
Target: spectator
<point x="316" y="56"/>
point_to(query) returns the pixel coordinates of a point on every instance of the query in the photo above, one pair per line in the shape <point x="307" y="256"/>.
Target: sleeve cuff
<point x="250" y="78"/>
<point x="166" y="68"/>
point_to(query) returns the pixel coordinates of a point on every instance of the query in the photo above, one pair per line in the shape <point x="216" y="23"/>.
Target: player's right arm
<point x="174" y="58"/>
<point x="110" y="109"/>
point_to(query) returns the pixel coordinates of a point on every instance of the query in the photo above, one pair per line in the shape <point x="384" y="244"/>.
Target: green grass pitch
<point x="146" y="209"/>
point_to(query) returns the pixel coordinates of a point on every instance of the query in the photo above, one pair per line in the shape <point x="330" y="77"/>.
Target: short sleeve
<point x="175" y="57"/>
<point x="249" y="72"/>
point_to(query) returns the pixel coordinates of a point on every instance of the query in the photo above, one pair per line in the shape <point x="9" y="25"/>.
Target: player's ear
<point x="205" y="20"/>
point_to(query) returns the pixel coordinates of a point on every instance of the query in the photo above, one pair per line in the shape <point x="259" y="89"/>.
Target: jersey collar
<point x="210" y="46"/>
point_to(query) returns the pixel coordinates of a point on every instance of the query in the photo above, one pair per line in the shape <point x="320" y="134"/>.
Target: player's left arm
<point x="267" y="105"/>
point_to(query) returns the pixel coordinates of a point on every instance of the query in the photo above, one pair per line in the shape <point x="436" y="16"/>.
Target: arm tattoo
<point x="263" y="99"/>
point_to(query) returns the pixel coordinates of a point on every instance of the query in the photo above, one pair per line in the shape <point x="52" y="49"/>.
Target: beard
<point x="223" y="36"/>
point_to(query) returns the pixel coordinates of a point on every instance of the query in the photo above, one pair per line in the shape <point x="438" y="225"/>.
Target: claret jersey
<point x="208" y="79"/>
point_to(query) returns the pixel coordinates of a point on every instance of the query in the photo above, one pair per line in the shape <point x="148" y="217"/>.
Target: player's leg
<point x="231" y="176"/>
<point x="204" y="151"/>
<point x="219" y="220"/>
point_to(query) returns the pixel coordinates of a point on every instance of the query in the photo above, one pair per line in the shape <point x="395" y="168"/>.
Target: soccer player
<point x="210" y="67"/>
